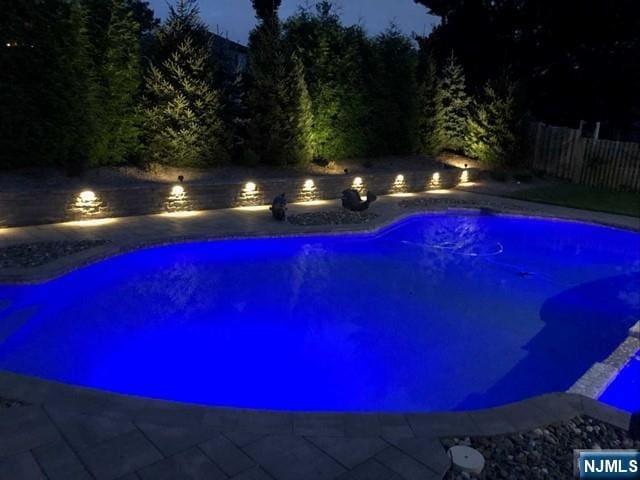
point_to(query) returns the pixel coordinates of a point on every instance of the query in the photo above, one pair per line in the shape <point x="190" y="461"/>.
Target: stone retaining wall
<point x="47" y="206"/>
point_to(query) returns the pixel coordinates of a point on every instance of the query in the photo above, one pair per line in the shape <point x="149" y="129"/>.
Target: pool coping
<point x="595" y="381"/>
<point x="521" y="416"/>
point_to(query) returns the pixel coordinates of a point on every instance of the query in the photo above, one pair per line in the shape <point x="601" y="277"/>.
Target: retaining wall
<point x="53" y="206"/>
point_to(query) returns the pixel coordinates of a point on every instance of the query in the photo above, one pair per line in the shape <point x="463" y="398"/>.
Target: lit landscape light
<point x="464" y="176"/>
<point x="399" y="186"/>
<point x="309" y="191"/>
<point x="177" y="203"/>
<point x="87" y="203"/>
<point x="87" y="196"/>
<point x="358" y="184"/>
<point x="435" y="181"/>
<point x="250" y="196"/>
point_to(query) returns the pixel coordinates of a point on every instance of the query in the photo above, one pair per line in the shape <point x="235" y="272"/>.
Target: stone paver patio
<point x="67" y="432"/>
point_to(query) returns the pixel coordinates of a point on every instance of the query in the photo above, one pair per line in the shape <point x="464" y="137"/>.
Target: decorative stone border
<point x="601" y="374"/>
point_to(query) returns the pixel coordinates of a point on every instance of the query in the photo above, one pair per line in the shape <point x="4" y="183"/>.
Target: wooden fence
<point x="564" y="153"/>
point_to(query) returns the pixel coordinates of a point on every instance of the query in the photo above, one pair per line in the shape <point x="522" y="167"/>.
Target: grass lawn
<point x="580" y="196"/>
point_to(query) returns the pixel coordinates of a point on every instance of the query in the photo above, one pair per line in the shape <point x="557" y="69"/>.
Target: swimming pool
<point x="447" y="311"/>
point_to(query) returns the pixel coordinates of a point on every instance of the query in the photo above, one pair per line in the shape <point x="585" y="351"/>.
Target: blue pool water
<point x="624" y="392"/>
<point x="438" y="312"/>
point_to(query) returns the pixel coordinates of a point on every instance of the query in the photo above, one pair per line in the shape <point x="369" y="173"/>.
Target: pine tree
<point x="184" y="123"/>
<point x="427" y="107"/>
<point x="334" y="63"/>
<point x="74" y="125"/>
<point x="119" y="78"/>
<point x="494" y="128"/>
<point x="278" y="132"/>
<point x="302" y="115"/>
<point x="394" y="93"/>
<point x="452" y="109"/>
<point x="46" y="112"/>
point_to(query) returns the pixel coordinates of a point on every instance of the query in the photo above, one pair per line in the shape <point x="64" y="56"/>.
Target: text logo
<point x="607" y="464"/>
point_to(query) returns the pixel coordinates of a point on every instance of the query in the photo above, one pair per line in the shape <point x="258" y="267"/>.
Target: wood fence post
<point x="537" y="147"/>
<point x="577" y="158"/>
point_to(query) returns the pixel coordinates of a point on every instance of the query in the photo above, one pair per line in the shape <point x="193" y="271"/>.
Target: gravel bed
<point x="544" y="453"/>
<point x="339" y="217"/>
<point x="27" y="255"/>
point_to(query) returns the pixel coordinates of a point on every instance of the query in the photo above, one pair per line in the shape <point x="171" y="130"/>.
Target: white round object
<point x="466" y="459"/>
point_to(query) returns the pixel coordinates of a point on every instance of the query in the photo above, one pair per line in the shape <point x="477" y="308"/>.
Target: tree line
<point x="88" y="83"/>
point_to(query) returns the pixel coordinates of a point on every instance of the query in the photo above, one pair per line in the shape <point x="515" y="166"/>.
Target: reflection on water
<point x="437" y="312"/>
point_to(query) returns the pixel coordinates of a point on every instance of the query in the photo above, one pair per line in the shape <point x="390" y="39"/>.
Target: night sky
<point x="237" y="17"/>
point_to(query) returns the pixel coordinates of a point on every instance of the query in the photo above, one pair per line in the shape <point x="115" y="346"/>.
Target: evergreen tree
<point x="394" y="93"/>
<point x="452" y="109"/>
<point x="184" y="123"/>
<point x="495" y="128"/>
<point x="119" y="79"/>
<point x="334" y="59"/>
<point x="46" y="86"/>
<point x="277" y="100"/>
<point x="427" y="106"/>
<point x="302" y="115"/>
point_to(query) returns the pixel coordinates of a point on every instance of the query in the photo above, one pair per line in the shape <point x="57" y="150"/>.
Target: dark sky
<point x="237" y="17"/>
